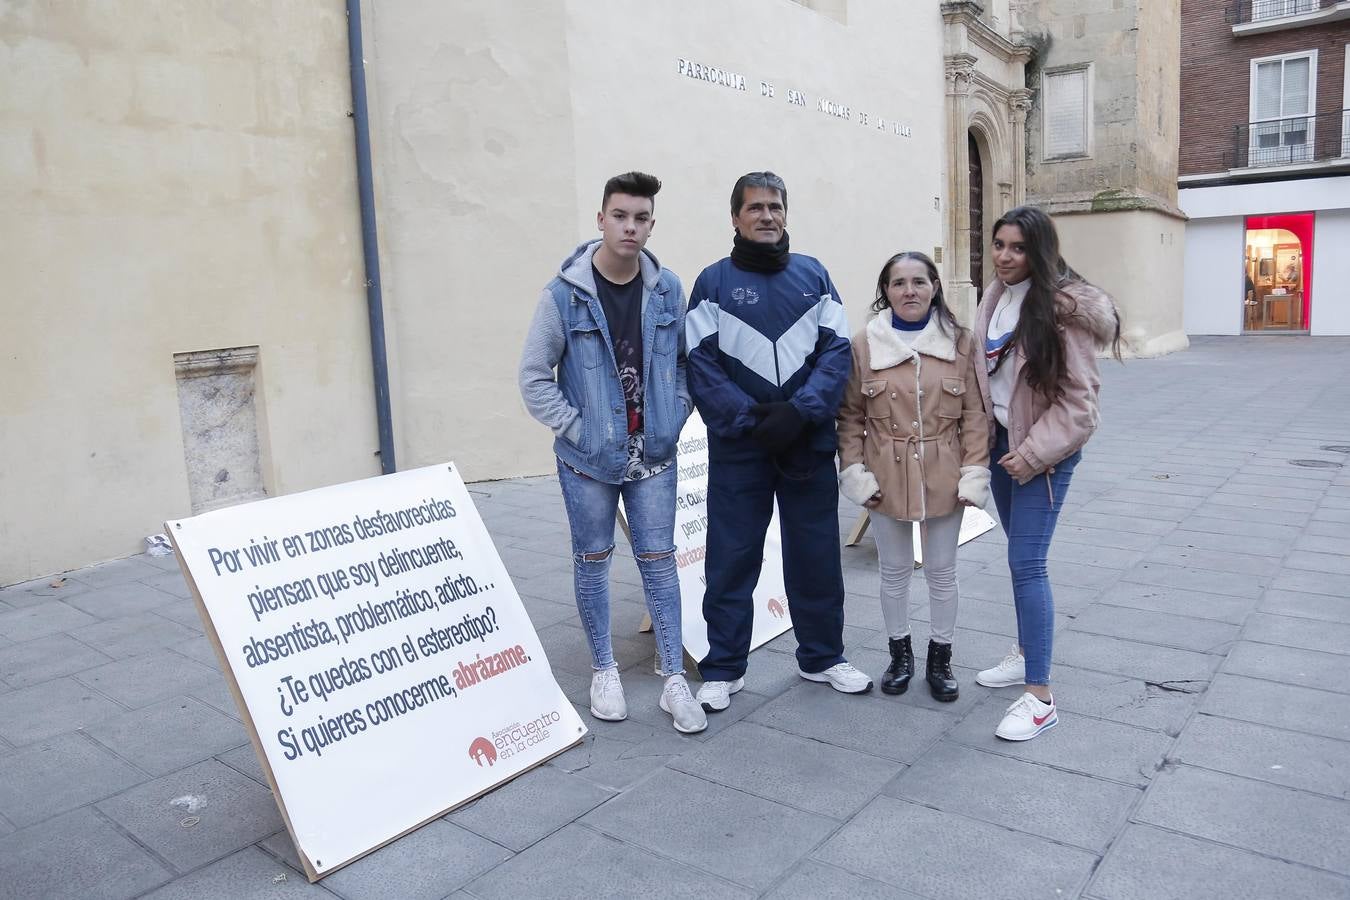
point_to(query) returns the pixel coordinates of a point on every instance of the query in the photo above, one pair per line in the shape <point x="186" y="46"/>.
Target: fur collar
<point x="886" y="349"/>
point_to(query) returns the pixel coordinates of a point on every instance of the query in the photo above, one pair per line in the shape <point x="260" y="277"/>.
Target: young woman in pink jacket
<point x="1042" y="326"/>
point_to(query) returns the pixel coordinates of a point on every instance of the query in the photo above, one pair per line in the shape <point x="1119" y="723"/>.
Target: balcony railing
<point x="1246" y="11"/>
<point x="1292" y="141"/>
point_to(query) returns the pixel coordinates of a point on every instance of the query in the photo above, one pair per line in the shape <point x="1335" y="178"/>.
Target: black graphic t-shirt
<point x="622" y="304"/>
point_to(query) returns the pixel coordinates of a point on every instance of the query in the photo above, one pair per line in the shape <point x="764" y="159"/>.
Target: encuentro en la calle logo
<point x="481" y="751"/>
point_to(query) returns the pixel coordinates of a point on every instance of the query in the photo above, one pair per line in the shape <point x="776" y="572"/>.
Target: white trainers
<point x="842" y="677"/>
<point x="1026" y="718"/>
<point x="676" y="700"/>
<point x="715" y="696"/>
<point x="1013" y="670"/>
<point x="607" y="701"/>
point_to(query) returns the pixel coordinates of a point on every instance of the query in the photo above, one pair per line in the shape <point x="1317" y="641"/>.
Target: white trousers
<point x="895" y="553"/>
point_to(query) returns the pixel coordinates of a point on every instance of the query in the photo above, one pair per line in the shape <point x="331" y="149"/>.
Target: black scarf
<point x="754" y="256"/>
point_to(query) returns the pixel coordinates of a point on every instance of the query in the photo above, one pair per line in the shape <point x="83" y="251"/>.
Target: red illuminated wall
<point x="1301" y="224"/>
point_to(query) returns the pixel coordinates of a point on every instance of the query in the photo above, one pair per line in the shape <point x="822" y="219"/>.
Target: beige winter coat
<point x="1041" y="431"/>
<point x="912" y="425"/>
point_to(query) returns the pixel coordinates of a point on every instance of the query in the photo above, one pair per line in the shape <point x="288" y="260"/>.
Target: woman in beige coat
<point x="914" y="447"/>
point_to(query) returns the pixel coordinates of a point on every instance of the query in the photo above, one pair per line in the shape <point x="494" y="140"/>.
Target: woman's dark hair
<point x="1037" y="331"/>
<point x="946" y="321"/>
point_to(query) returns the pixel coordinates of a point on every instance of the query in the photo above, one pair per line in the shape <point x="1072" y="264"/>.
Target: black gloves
<point x="779" y="425"/>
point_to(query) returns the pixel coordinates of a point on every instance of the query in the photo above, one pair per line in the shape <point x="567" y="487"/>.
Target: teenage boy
<point x="604" y="367"/>
<point x="768" y="361"/>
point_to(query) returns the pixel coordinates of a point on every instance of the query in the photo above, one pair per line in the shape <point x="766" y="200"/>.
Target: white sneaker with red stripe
<point x="1026" y="718"/>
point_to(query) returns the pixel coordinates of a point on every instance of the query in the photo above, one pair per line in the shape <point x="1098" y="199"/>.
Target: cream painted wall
<point x="498" y="124"/>
<point x="175" y="177"/>
<point x="1124" y="253"/>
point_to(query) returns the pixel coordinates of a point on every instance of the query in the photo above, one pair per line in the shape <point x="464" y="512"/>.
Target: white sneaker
<point x="715" y="696"/>
<point x="676" y="700"/>
<point x="1013" y="670"/>
<point x="842" y="677"/>
<point x="1026" y="718"/>
<point x="607" y="701"/>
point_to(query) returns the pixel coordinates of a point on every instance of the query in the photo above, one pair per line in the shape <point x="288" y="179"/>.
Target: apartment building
<point x="1264" y="171"/>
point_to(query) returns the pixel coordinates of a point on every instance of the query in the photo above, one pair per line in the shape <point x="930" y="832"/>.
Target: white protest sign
<point x="691" y="540"/>
<point x="380" y="654"/>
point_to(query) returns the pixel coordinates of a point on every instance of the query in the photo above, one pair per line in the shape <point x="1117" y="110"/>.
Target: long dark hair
<point x="1037" y="331"/>
<point x="946" y="321"/>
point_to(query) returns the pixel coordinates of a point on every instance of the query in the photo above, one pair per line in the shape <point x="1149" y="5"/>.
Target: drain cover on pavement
<point x="1315" y="463"/>
<point x="1337" y="448"/>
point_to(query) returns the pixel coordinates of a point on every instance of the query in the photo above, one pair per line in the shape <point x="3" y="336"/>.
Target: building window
<point x="1066" y="107"/>
<point x="1281" y="107"/>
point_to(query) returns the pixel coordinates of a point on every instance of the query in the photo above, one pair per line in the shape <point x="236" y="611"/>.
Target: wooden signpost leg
<point x="859" y="529"/>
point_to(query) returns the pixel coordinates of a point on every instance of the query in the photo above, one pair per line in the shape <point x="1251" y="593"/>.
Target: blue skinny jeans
<point x="649" y="504"/>
<point x="1029" y="513"/>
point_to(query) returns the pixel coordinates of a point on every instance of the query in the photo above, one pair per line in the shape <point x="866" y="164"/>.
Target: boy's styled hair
<point x="634" y="184"/>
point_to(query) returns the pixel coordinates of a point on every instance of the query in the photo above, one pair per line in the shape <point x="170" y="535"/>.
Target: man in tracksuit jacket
<point x="768" y="361"/>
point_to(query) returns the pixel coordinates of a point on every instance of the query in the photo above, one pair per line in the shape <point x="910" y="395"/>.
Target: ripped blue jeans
<point x="649" y="504"/>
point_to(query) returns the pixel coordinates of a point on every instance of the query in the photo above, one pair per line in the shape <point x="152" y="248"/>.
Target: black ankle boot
<point x="895" y="680"/>
<point x="941" y="681"/>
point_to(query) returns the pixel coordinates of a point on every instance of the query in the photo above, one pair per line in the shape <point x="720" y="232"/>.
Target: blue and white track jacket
<point x="757" y="337"/>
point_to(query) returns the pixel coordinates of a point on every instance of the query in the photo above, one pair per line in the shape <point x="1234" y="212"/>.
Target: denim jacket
<point x="570" y="381"/>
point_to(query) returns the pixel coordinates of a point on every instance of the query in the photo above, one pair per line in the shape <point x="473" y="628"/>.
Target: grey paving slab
<point x="60" y="774"/>
<point x="150" y="677"/>
<point x="1289" y="665"/>
<point x="1247" y="526"/>
<point x="50" y="708"/>
<point x="133" y="635"/>
<point x="1225" y="560"/>
<point x="1312" y="582"/>
<point x="1115" y="522"/>
<point x="170" y="583"/>
<point x="166" y="736"/>
<point x="1316" y="764"/>
<point x="215" y="693"/>
<point x="119" y="600"/>
<point x="1232" y="544"/>
<point x="817" y="881"/>
<point x="1147" y="661"/>
<point x="728" y="833"/>
<point x="867" y="723"/>
<point x="1104" y="538"/>
<point x="1194" y="604"/>
<point x="1291" y="631"/>
<point x="617" y="765"/>
<point x="1065" y="806"/>
<point x="249" y="874"/>
<point x="118" y="571"/>
<point x="1279" y="705"/>
<point x="41" y="620"/>
<point x="1147" y="862"/>
<point x="426" y="864"/>
<point x="1293" y="825"/>
<point x="233" y="812"/>
<point x="26" y="593"/>
<point x="1083" y="744"/>
<point x="1325" y="607"/>
<point x="1152" y="627"/>
<point x="1316" y="543"/>
<point x="1336" y="563"/>
<point x="43" y="659"/>
<point x="1119" y="698"/>
<point x="184" y="612"/>
<point x="196" y="647"/>
<point x="939" y="848"/>
<point x="580" y="862"/>
<point x="1231" y="583"/>
<point x="552" y="798"/>
<point x="78" y="855"/>
<point x="244" y="761"/>
<point x="791" y="770"/>
<point x="1062" y="552"/>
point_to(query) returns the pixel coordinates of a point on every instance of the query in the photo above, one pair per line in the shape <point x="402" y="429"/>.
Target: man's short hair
<point x="756" y="180"/>
<point x="634" y="184"/>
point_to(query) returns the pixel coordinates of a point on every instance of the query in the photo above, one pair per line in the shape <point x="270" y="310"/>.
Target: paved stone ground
<point x="1202" y="654"/>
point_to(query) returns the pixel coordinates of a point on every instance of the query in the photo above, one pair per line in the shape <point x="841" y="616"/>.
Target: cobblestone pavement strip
<point x="1203" y="638"/>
